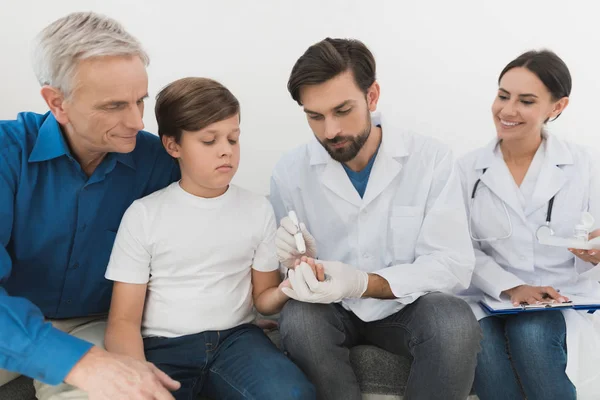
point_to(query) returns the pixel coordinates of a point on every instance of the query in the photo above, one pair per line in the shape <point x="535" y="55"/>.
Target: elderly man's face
<point x="104" y="112"/>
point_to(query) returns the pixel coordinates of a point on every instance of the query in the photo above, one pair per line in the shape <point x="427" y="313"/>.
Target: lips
<point x="224" y="167"/>
<point x="339" y="145"/>
<point x="509" y="124"/>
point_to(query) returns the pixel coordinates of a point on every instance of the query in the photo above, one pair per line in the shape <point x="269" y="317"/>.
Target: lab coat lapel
<point x="552" y="177"/>
<point x="385" y="169"/>
<point x="335" y="178"/>
<point x="388" y="162"/>
<point x="498" y="179"/>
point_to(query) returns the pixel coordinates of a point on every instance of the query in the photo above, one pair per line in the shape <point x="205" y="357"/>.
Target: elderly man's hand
<point x="108" y="376"/>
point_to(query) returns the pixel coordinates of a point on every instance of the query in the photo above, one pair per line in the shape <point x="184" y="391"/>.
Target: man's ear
<point x="373" y="96"/>
<point x="171" y="146"/>
<point x="55" y="100"/>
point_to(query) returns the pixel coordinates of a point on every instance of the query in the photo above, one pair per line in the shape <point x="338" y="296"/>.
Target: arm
<point x="129" y="267"/>
<point x="444" y="254"/>
<point x="488" y="275"/>
<point x="125" y="320"/>
<point x="28" y="344"/>
<point x="378" y="288"/>
<point x="268" y="298"/>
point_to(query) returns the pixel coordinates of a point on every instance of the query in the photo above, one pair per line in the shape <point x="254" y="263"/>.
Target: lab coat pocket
<point x="405" y="225"/>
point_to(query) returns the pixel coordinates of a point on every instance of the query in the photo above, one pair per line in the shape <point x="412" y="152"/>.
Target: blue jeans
<point x="438" y="332"/>
<point x="238" y="363"/>
<point x="523" y="353"/>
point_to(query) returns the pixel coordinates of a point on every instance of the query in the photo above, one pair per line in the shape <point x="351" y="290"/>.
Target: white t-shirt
<point x="196" y="256"/>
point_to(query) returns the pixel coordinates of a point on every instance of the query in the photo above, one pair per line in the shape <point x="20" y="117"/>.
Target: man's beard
<point x="355" y="143"/>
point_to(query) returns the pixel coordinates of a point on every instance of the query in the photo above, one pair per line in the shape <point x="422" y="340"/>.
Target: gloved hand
<point x="341" y="281"/>
<point x="287" y="252"/>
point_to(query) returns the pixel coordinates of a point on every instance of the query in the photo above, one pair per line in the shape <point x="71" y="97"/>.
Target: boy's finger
<point x="320" y="273"/>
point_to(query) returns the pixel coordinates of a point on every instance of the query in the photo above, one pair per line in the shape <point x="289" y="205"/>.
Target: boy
<point x="191" y="260"/>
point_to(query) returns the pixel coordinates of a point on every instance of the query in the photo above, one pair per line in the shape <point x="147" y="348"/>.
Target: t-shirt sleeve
<point x="130" y="259"/>
<point x="265" y="256"/>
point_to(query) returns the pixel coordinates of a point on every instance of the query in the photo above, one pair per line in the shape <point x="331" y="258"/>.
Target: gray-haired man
<point x="66" y="178"/>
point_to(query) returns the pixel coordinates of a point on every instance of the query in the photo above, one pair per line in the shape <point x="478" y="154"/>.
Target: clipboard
<point x="502" y="307"/>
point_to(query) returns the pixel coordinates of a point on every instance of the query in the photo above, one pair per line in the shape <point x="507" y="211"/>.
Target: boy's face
<point x="209" y="158"/>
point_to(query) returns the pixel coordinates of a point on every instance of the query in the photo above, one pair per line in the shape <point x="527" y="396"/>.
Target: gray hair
<point x="79" y="36"/>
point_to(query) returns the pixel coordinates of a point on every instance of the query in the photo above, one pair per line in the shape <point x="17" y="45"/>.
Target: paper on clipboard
<point x="505" y="306"/>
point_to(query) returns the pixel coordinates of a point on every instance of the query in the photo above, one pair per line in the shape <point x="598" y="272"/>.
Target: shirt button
<point x="83" y="227"/>
<point x="75" y="266"/>
<point x="366" y="255"/>
<point x="522" y="258"/>
<point x="68" y="301"/>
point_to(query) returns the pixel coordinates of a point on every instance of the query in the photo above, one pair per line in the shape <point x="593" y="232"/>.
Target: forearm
<point x="378" y="288"/>
<point x="271" y="301"/>
<point x="32" y="346"/>
<point x="125" y="338"/>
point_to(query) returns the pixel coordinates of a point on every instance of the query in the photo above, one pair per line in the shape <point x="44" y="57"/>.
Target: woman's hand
<point x="534" y="294"/>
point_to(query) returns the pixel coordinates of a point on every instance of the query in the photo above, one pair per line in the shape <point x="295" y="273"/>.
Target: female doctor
<point x="523" y="179"/>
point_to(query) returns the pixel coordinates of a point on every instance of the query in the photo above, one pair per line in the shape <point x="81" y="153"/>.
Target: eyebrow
<point x="341" y="105"/>
<point x="121" y="102"/>
<point x="521" y="95"/>
<point x="216" y="132"/>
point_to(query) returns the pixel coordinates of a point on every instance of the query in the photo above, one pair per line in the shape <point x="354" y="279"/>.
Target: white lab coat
<point x="567" y="171"/>
<point x="410" y="227"/>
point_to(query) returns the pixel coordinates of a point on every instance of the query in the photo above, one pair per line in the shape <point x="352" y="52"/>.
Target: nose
<point x="225" y="149"/>
<point x="134" y="120"/>
<point x="509" y="109"/>
<point x="332" y="128"/>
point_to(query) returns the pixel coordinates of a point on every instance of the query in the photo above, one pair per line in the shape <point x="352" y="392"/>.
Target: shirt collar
<point x="51" y="144"/>
<point x="125" y="159"/>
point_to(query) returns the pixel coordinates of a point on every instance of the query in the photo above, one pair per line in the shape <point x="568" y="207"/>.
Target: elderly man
<point x="66" y="178"/>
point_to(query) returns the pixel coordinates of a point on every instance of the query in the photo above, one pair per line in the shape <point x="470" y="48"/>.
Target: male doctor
<point x="385" y="209"/>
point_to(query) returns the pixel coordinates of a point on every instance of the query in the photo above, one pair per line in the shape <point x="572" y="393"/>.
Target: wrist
<point x="510" y="291"/>
<point x="279" y="296"/>
<point x="78" y="374"/>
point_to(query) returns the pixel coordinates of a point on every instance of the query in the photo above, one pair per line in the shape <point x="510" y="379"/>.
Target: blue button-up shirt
<point x="57" y="228"/>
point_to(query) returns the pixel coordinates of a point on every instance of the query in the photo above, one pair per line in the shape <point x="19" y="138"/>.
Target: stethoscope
<point x="510" y="227"/>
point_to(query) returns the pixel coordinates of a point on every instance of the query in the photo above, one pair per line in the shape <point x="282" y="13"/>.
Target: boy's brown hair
<point x="192" y="104"/>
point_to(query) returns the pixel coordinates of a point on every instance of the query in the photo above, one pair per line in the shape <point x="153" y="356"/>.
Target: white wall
<point x="438" y="61"/>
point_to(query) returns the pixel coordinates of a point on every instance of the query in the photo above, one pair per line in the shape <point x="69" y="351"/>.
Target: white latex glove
<point x="287" y="252"/>
<point x="341" y="281"/>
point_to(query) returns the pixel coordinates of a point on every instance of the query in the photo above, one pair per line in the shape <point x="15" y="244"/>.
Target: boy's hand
<point x="343" y="281"/>
<point x="317" y="268"/>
